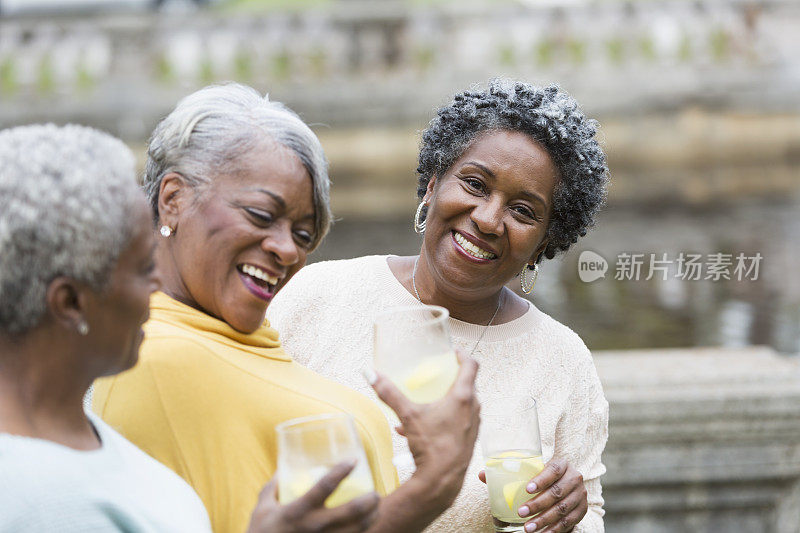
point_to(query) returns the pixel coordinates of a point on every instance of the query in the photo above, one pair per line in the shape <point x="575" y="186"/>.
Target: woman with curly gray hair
<point x="508" y="177"/>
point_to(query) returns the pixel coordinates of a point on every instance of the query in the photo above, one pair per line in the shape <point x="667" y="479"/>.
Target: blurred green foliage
<point x="577" y="51"/>
<point x="83" y="79"/>
<point x="616" y="50"/>
<point x="544" y="52"/>
<point x="164" y="70"/>
<point x="720" y="44"/>
<point x="506" y="55"/>
<point x="8" y="76"/>
<point x="47" y="82"/>
<point x="243" y="65"/>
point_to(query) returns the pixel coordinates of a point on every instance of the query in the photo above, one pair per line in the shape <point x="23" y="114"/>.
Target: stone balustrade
<point x="702" y="440"/>
<point x="365" y="62"/>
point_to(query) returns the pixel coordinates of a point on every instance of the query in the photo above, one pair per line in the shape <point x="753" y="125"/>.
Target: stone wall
<point x="384" y="62"/>
<point x="702" y="440"/>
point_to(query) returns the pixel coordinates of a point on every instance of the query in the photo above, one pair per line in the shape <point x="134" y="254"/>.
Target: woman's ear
<point x="171" y="199"/>
<point x="539" y="251"/>
<point x="429" y="189"/>
<point x="67" y="302"/>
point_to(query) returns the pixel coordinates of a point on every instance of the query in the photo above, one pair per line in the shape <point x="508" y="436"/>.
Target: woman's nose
<point x="281" y="243"/>
<point x="488" y="217"/>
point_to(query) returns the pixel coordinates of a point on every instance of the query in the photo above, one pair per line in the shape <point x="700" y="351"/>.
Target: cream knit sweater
<point x="324" y="316"/>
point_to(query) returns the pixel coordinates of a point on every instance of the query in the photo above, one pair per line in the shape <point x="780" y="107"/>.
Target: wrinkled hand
<point x="562" y="499"/>
<point x="308" y="513"/>
<point x="441" y="435"/>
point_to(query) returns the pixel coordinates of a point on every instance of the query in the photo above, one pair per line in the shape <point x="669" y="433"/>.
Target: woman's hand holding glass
<point x="552" y="496"/>
<point x="561" y="502"/>
<point x="308" y="513"/>
<point x="441" y="435"/>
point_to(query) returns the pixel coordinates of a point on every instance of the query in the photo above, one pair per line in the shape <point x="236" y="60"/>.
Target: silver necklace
<point x="485" y="328"/>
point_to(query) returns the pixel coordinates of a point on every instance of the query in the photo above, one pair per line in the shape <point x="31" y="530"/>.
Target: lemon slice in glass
<point x="510" y="490"/>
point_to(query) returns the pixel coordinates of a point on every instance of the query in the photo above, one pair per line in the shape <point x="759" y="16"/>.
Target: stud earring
<point x="166" y="231"/>
<point x="83" y="328"/>
<point x="526" y="282"/>
<point x="419" y="227"/>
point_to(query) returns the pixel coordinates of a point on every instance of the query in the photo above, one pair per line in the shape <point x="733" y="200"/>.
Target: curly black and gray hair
<point x="549" y="116"/>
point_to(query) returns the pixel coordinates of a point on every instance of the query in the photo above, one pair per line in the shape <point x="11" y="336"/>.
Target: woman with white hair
<point x="238" y="186"/>
<point x="77" y="265"/>
<point x="76" y="273"/>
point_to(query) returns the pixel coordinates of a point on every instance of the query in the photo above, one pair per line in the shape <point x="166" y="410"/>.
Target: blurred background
<point x="699" y="105"/>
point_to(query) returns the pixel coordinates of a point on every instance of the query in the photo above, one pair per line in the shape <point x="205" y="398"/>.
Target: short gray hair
<point x="549" y="116"/>
<point x="66" y="199"/>
<point x="210" y="130"/>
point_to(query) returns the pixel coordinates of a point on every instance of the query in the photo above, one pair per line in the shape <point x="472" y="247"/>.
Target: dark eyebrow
<point x="483" y="168"/>
<point x="278" y="199"/>
<point x="535" y="198"/>
<point x="529" y="195"/>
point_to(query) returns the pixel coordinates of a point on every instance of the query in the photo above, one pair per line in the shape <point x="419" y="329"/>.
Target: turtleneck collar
<point x="263" y="342"/>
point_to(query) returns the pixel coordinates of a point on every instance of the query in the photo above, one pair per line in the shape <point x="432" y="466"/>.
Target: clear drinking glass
<point x="309" y="447"/>
<point x="512" y="453"/>
<point x="412" y="348"/>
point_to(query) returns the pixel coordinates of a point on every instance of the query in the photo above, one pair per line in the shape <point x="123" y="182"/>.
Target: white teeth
<point x="473" y="250"/>
<point x="258" y="273"/>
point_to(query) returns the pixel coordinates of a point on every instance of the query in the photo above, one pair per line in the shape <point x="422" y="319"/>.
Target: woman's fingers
<point x="356" y="515"/>
<point x="560" y="517"/>
<point x="391" y="396"/>
<point x="467" y="372"/>
<point x="551" y="495"/>
<point x="323" y="488"/>
<point x="562" y="501"/>
<point x="552" y="472"/>
<point x="270" y="492"/>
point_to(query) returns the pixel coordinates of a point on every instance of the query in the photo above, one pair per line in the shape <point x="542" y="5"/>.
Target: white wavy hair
<point x="67" y="196"/>
<point x="209" y="132"/>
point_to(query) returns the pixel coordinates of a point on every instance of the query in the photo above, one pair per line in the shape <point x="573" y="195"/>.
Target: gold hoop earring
<point x="166" y="231"/>
<point x="527" y="284"/>
<point x="419" y="227"/>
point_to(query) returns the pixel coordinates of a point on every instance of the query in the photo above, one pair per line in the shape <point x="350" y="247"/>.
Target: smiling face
<point x="488" y="214"/>
<point x="240" y="239"/>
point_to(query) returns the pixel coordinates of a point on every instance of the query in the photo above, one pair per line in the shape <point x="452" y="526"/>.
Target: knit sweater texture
<point x="325" y="315"/>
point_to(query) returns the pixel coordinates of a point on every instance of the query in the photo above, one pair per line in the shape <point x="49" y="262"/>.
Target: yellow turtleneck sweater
<point x="204" y="400"/>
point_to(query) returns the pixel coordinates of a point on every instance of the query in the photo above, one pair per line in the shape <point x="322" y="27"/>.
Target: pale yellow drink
<point x="508" y="473"/>
<point x="294" y="484"/>
<point x="429" y="379"/>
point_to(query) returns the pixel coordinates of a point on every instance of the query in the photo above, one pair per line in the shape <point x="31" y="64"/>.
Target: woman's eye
<point x="304" y="238"/>
<point x="524" y="211"/>
<point x="261" y="216"/>
<point x="474" y="184"/>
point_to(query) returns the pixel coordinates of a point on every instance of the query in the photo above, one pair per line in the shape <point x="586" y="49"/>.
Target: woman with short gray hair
<point x="509" y="175"/>
<point x="76" y="273"/>
<point x="239" y="189"/>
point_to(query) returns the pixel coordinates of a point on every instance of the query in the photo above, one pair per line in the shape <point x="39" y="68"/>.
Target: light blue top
<point x="45" y="486"/>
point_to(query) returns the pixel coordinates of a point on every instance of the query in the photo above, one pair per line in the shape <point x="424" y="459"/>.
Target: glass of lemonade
<point x="309" y="447"/>
<point x="512" y="453"/>
<point x="412" y="348"/>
